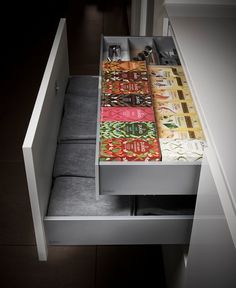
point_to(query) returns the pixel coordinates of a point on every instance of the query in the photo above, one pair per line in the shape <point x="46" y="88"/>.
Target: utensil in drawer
<point x="114" y="52"/>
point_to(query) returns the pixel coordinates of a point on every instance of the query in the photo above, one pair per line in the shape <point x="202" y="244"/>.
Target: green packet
<point x="119" y="129"/>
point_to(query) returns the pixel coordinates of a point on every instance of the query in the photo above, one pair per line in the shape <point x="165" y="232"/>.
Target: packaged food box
<point x="170" y="108"/>
<point x="183" y="134"/>
<point x="190" y="150"/>
<point x="163" y="71"/>
<point x="162" y="95"/>
<point x="119" y="87"/>
<point x="126" y="76"/>
<point x="180" y="70"/>
<point x="118" y="129"/>
<point x="126" y="100"/>
<point x="130" y="149"/>
<point x="179" y="122"/>
<point x="127" y="114"/>
<point x="124" y="66"/>
<point x="166" y="83"/>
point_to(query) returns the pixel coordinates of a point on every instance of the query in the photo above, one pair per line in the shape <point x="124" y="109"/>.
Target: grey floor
<point x="26" y="46"/>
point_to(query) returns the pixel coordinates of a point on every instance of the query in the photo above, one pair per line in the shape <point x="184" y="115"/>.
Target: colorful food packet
<point x="190" y="150"/>
<point x="183" y="134"/>
<point x="126" y="76"/>
<point x="174" y="107"/>
<point x="179" y="122"/>
<point x="124" y="66"/>
<point x="130" y="149"/>
<point x="167" y="83"/>
<point x="126" y="100"/>
<point x="127" y="114"/>
<point x="118" y="129"/>
<point x="162" y="95"/>
<point x="163" y="71"/>
<point x="119" y="87"/>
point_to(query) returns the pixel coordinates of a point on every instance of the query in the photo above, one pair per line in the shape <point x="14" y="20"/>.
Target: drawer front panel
<point x="149" y="179"/>
<point x="118" y="231"/>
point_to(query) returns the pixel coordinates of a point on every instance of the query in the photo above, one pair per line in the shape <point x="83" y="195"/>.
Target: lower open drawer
<point x="76" y="217"/>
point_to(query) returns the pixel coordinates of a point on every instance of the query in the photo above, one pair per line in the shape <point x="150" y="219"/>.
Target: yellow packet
<point x="162" y="71"/>
<point x="174" y="108"/>
<point x="181" y="122"/>
<point x="166" y="83"/>
<point x="183" y="134"/>
<point x="166" y="94"/>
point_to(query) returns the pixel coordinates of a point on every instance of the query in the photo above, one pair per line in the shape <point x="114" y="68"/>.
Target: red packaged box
<point x="118" y="87"/>
<point x="124" y="66"/>
<point x="126" y="76"/>
<point x="130" y="150"/>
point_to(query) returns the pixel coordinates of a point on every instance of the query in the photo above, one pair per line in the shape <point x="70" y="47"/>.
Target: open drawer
<point x="121" y="225"/>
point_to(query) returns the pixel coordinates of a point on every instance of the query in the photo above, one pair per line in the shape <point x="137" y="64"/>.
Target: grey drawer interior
<point x="75" y="196"/>
<point x="163" y="49"/>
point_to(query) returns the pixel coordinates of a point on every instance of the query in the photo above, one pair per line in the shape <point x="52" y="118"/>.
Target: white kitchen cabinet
<point x="201" y="32"/>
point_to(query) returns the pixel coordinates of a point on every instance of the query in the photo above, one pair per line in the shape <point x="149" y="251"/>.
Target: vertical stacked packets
<point x="127" y="129"/>
<point x="179" y="127"/>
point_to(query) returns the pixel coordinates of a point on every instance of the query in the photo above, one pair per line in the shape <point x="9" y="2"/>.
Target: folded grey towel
<point x="83" y="85"/>
<point x="84" y="106"/>
<point x="72" y="196"/>
<point x="75" y="160"/>
<point x="74" y="141"/>
<point x="74" y="128"/>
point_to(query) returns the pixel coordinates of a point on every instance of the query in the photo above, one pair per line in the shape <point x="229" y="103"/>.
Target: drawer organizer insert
<point x="150" y="139"/>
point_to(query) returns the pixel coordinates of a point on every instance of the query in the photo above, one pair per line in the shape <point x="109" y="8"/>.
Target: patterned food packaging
<point x="126" y="76"/>
<point x="124" y="66"/>
<point x="162" y="95"/>
<point x="189" y="150"/>
<point x="171" y="108"/>
<point x="118" y="129"/>
<point x="180" y="70"/>
<point x="119" y="87"/>
<point x="127" y="114"/>
<point x="183" y="134"/>
<point x="163" y="71"/>
<point x="167" y="83"/>
<point x="124" y="100"/>
<point x="179" y="122"/>
<point x="130" y="150"/>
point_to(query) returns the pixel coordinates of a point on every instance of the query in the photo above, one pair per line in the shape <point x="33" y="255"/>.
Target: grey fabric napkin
<point x="73" y="196"/>
<point x="75" y="160"/>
